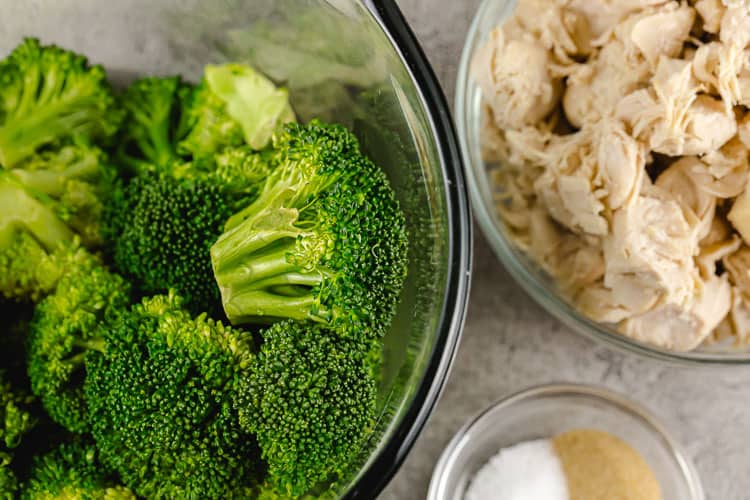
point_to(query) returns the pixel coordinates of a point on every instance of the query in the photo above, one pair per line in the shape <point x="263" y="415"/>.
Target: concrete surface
<point x="510" y="343"/>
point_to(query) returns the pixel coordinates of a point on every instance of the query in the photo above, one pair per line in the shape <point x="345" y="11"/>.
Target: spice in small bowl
<point x="581" y="464"/>
<point x="564" y="442"/>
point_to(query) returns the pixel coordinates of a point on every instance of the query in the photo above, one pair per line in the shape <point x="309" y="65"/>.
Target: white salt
<point x="527" y="471"/>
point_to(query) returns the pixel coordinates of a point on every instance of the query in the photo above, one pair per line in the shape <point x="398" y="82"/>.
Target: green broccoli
<point x="213" y="129"/>
<point x="15" y="417"/>
<point x="163" y="229"/>
<point x="160" y="399"/>
<point x="65" y="325"/>
<point x="48" y="203"/>
<point x="74" y="182"/>
<point x="29" y="271"/>
<point x="324" y="240"/>
<point x="310" y="400"/>
<point x="48" y="95"/>
<point x="156" y="121"/>
<point x="72" y="471"/>
<point x="8" y="479"/>
<point x="240" y="172"/>
<point x="16" y="420"/>
<point x="233" y="105"/>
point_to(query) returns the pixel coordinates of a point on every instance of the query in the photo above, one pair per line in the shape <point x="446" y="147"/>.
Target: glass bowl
<point x="544" y="411"/>
<point x="538" y="284"/>
<point x="354" y="62"/>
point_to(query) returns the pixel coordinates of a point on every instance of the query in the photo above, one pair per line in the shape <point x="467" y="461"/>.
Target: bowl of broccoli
<point x="234" y="248"/>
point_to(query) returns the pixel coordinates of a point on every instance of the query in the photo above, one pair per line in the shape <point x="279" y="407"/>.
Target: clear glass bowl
<point x="544" y="411"/>
<point x="354" y="62"/>
<point x="537" y="283"/>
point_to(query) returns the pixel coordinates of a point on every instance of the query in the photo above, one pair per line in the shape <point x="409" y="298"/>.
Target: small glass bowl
<point x="545" y="411"/>
<point x="538" y="284"/>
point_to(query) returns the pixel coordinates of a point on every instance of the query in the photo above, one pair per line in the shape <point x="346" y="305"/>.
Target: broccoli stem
<point x="256" y="270"/>
<point x="33" y="126"/>
<point x="264" y="304"/>
<point x="18" y="209"/>
<point x="291" y="278"/>
<point x="158" y="146"/>
<point x="92" y="344"/>
<point x="53" y="183"/>
<point x="95" y="344"/>
<point x="77" y="359"/>
<point x="236" y="246"/>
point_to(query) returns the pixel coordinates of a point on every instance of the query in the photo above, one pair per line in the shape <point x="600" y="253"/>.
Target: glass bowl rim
<point x="387" y="461"/>
<point x="550" y="300"/>
<point x="562" y="389"/>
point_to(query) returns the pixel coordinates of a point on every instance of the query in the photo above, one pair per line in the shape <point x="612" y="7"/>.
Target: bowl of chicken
<point x="607" y="149"/>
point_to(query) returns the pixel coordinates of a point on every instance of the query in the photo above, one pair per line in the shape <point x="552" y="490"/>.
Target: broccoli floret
<point x="310" y="400"/>
<point x="324" y="240"/>
<point x="160" y="398"/>
<point x="66" y="325"/>
<point x="72" y="471"/>
<point x="15" y="418"/>
<point x="8" y="479"/>
<point x="239" y="171"/>
<point x="75" y="182"/>
<point x="234" y="104"/>
<point x="48" y="94"/>
<point x="16" y="421"/>
<point x="48" y="203"/>
<point x="155" y="123"/>
<point x="212" y="127"/>
<point x="29" y="271"/>
<point x="251" y="99"/>
<point x="163" y="229"/>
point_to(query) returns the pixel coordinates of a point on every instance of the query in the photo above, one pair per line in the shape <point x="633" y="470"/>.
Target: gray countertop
<point x="510" y="343"/>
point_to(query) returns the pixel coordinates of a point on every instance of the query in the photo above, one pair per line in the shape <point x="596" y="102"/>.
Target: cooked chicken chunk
<point x="661" y="32"/>
<point x="677" y="328"/>
<point x="719" y="66"/>
<point x="673" y="117"/>
<point x="514" y="75"/>
<point x="649" y="253"/>
<point x="739" y="216"/>
<point x="735" y="24"/>
<point x="711" y="12"/>
<point x="594" y="89"/>
<point x="604" y="15"/>
<point x="563" y="30"/>
<point x="682" y="180"/>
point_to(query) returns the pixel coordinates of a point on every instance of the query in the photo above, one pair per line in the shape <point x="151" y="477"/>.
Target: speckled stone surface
<point x="510" y="343"/>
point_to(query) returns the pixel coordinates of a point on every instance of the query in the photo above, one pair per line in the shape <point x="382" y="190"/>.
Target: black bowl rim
<point x="384" y="466"/>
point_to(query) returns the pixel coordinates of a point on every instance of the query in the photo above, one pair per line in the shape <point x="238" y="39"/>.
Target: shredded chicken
<point x="678" y="328"/>
<point x="711" y="12"/>
<point x="738" y="320"/>
<point x="739" y="216"/>
<point x="658" y="32"/>
<point x="515" y="80"/>
<point x="743" y="130"/>
<point x="683" y="180"/>
<point x="604" y="15"/>
<point x="735" y="24"/>
<point x="593" y="89"/>
<point x="672" y="117"/>
<point x="564" y="31"/>
<point x="648" y="254"/>
<point x="618" y="134"/>
<point x="719" y="66"/>
<point x="720" y="242"/>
